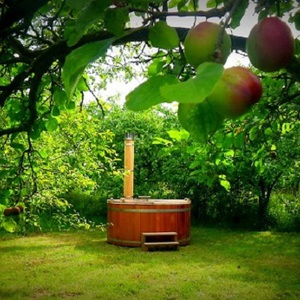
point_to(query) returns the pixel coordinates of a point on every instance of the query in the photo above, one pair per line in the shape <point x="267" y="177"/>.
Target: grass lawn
<point x="219" y="264"/>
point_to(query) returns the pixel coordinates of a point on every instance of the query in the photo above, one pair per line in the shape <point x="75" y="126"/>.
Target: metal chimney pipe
<point x="128" y="165"/>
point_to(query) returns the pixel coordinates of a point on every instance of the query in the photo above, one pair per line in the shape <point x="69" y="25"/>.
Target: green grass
<point x="219" y="264"/>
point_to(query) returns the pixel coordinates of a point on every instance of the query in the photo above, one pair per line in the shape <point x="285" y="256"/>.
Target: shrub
<point x="284" y="211"/>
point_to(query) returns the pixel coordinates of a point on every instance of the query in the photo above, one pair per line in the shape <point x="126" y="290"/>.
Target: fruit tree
<point x="52" y="52"/>
<point x="47" y="47"/>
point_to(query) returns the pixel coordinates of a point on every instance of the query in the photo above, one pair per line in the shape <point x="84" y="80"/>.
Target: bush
<point x="284" y="211"/>
<point x="92" y="206"/>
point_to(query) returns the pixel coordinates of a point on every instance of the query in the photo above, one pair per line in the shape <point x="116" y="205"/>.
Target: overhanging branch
<point x="215" y="12"/>
<point x="41" y="61"/>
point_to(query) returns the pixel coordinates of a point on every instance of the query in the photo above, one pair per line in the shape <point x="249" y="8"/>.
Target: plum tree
<point x="206" y="42"/>
<point x="7" y="211"/>
<point x="235" y="92"/>
<point x="270" y="45"/>
<point x="21" y="208"/>
<point x="16" y="210"/>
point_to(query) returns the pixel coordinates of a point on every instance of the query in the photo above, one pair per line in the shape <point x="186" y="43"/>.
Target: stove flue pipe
<point x="128" y="166"/>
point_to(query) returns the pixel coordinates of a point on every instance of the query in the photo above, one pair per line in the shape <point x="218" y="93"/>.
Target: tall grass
<point x="219" y="264"/>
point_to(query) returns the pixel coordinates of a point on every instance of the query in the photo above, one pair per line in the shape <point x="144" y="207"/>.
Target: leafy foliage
<point x="253" y="155"/>
<point x="56" y="164"/>
<point x="163" y="36"/>
<point x="53" y="53"/>
<point x="148" y="93"/>
<point x="70" y="35"/>
<point x="77" y="61"/>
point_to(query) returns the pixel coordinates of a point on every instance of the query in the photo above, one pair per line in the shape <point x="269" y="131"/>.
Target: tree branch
<point x="17" y="11"/>
<point x="215" y="12"/>
<point x="13" y="86"/>
<point x="41" y="61"/>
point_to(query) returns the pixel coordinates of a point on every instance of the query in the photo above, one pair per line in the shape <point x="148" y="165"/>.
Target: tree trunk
<point x="263" y="203"/>
<point x="262" y="212"/>
<point x="200" y="203"/>
<point x="264" y="200"/>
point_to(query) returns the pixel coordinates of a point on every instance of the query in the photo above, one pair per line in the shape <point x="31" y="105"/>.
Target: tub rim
<point x="149" y="201"/>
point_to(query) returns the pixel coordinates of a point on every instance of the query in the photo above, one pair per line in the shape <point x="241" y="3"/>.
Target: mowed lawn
<point x="218" y="264"/>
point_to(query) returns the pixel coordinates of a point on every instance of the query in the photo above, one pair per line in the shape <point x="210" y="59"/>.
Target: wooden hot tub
<point x="127" y="220"/>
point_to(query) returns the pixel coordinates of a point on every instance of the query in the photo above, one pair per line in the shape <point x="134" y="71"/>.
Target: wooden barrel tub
<point x="127" y="220"/>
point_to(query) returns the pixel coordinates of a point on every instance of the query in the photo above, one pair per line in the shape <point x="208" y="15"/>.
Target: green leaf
<point x="2" y="208"/>
<point x="229" y="153"/>
<point x="161" y="141"/>
<point x="55" y="111"/>
<point x="193" y="5"/>
<point x="115" y="20"/>
<point x="155" y="67"/>
<point x="4" y="161"/>
<point x="195" y="164"/>
<point x="287" y="127"/>
<point x="37" y="129"/>
<point x="70" y="105"/>
<point x="174" y="3"/>
<point x="6" y="193"/>
<point x="60" y="97"/>
<point x="148" y="94"/>
<point x="213" y="3"/>
<point x="195" y="90"/>
<point x="51" y="124"/>
<point x="239" y="140"/>
<point x="297" y="46"/>
<point x="199" y="119"/>
<point x="263" y="14"/>
<point x="253" y="133"/>
<point x="18" y="146"/>
<point x="268" y="132"/>
<point x="297" y="20"/>
<point x="238" y="13"/>
<point x="10" y="225"/>
<point x="178" y="135"/>
<point x="24" y="192"/>
<point x="224" y="182"/>
<point x="90" y="14"/>
<point x="228" y="141"/>
<point x="82" y="86"/>
<point x="43" y="154"/>
<point x="77" y="61"/>
<point x="3" y="174"/>
<point x="161" y="35"/>
<point x="259" y="166"/>
<point x="77" y="4"/>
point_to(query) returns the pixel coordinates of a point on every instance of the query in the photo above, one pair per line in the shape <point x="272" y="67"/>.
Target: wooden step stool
<point x="158" y="240"/>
